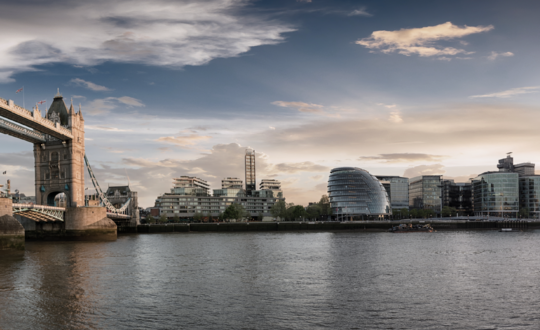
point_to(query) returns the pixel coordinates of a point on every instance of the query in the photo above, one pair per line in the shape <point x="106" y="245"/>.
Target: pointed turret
<point x="80" y="113"/>
<point x="59" y="108"/>
<point x="71" y="111"/>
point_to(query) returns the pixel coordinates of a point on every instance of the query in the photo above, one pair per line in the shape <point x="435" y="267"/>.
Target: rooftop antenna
<point x="129" y="183"/>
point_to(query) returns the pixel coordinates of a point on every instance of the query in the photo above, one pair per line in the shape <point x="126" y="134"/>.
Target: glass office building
<point x="399" y="191"/>
<point x="355" y="193"/>
<point x="529" y="195"/>
<point x="425" y="193"/>
<point x="496" y="194"/>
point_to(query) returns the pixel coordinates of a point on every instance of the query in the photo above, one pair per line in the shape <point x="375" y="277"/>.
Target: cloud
<point x="299" y="167"/>
<point x="510" y="92"/>
<point x="312" y="108"/>
<point x="420" y="40"/>
<point x="103" y="106"/>
<point x="89" y="85"/>
<point x="435" y="169"/>
<point x="184" y="141"/>
<point x="395" y="117"/>
<point x="316" y="177"/>
<point x="389" y="106"/>
<point x="404" y="158"/>
<point x="78" y="97"/>
<point x="160" y="32"/>
<point x="360" y="12"/>
<point x="106" y="128"/>
<point x="494" y="55"/>
<point x="271" y="127"/>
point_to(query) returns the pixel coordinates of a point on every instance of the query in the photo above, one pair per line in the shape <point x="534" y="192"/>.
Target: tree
<point x="260" y="216"/>
<point x="524" y="212"/>
<point x="163" y="218"/>
<point x="221" y="217"/>
<point x="235" y="211"/>
<point x="448" y="211"/>
<point x="176" y="218"/>
<point x="313" y="211"/>
<point x="197" y="216"/>
<point x="279" y="210"/>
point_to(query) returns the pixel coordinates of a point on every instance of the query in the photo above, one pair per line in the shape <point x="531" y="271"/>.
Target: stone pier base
<point x="11" y="231"/>
<point x="88" y="224"/>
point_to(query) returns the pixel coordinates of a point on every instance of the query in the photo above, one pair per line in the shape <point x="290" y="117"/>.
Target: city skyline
<point x="393" y="88"/>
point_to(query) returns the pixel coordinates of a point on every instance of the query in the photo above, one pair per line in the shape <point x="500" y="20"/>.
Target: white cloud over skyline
<point x="160" y="32"/>
<point x="89" y="85"/>
<point x="420" y="41"/>
<point x="510" y="92"/>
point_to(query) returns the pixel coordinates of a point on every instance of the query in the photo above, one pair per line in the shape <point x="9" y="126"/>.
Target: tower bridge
<point x="59" y="156"/>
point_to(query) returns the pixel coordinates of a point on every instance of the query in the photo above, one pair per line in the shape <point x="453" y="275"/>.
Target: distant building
<point x="355" y="193"/>
<point x="458" y="196"/>
<point x="233" y="183"/>
<point x="118" y="196"/>
<point x="425" y="193"/>
<point x="187" y="185"/>
<point x="398" y="191"/>
<point x="251" y="181"/>
<point x="272" y="185"/>
<point x="529" y="195"/>
<point x="496" y="193"/>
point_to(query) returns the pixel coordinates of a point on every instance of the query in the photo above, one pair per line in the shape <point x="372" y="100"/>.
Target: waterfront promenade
<point x="437" y="224"/>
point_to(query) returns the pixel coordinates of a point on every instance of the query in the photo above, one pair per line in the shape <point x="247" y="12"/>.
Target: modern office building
<point x="272" y="185"/>
<point x="398" y="192"/>
<point x="175" y="204"/>
<point x="251" y="181"/>
<point x="187" y="185"/>
<point x="457" y="195"/>
<point x="507" y="165"/>
<point x="529" y="195"/>
<point x="232" y="183"/>
<point x="425" y="193"/>
<point x="496" y="193"/>
<point x="354" y="193"/>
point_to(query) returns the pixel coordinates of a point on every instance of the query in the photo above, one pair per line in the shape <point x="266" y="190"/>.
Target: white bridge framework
<point x="39" y="212"/>
<point x="116" y="212"/>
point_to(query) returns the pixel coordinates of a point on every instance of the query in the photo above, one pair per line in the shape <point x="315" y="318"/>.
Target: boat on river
<point x="410" y="228"/>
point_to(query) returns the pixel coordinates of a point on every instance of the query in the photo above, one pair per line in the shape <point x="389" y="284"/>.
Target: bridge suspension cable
<point x="103" y="199"/>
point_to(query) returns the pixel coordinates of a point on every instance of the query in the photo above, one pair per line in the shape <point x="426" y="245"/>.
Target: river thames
<point x="345" y="280"/>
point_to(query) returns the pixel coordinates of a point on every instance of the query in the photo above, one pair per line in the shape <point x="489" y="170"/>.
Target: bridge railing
<point x="37" y="207"/>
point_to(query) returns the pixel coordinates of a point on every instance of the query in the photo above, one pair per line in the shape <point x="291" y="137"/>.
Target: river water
<point x="343" y="280"/>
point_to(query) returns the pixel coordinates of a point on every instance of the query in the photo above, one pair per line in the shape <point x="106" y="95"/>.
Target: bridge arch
<point x="52" y="198"/>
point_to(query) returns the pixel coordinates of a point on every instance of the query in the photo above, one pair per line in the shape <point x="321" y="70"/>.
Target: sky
<point x="170" y="88"/>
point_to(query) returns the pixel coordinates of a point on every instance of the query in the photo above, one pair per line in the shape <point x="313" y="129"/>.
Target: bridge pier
<point x="11" y="231"/>
<point x="89" y="223"/>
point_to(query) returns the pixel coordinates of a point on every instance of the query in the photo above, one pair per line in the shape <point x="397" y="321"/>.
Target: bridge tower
<point x="59" y="165"/>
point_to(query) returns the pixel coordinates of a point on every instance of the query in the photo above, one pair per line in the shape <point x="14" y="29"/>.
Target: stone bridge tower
<point x="59" y="165"/>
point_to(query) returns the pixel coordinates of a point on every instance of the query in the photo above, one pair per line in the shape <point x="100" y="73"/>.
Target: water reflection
<point x="275" y="281"/>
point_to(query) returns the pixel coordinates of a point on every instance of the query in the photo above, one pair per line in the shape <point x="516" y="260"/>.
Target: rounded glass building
<point x="354" y="193"/>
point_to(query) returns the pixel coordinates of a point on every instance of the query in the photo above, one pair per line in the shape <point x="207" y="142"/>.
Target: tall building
<point x="251" y="182"/>
<point x="496" y="194"/>
<point x="457" y="195"/>
<point x="187" y="185"/>
<point x="425" y="193"/>
<point x="232" y="183"/>
<point x="398" y="191"/>
<point x="529" y="195"/>
<point x="355" y="193"/>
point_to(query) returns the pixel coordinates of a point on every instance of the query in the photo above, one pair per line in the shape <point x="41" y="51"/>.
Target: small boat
<point x="410" y="228"/>
<point x="509" y="230"/>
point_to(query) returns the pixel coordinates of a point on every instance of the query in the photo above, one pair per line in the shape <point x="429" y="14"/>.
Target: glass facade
<point x="458" y="196"/>
<point x="496" y="194"/>
<point x="354" y="192"/>
<point x="529" y="195"/>
<point x="399" y="191"/>
<point x="425" y="192"/>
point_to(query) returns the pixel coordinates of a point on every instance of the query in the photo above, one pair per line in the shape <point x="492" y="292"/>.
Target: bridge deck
<point x="18" y="114"/>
